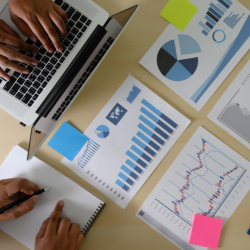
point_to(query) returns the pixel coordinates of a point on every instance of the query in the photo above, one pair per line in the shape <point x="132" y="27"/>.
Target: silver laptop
<point x="41" y="98"/>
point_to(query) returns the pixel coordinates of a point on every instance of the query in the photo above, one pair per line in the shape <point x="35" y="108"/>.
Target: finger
<point x="38" y="30"/>
<point x="16" y="56"/>
<point x="42" y="230"/>
<point x="4" y="75"/>
<point x="20" y="210"/>
<point x="7" y="29"/>
<point x="60" y="12"/>
<point x="59" y="22"/>
<point x="24" y="28"/>
<point x="19" y="185"/>
<point x="16" y="43"/>
<point x="5" y="62"/>
<point x="54" y="218"/>
<point x="63" y="229"/>
<point x="74" y="231"/>
<point x="79" y="240"/>
<point x="51" y="31"/>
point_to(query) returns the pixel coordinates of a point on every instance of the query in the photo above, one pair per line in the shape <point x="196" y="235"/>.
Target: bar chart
<point x="233" y="19"/>
<point x="127" y="148"/>
<point x="154" y="131"/>
<point x="89" y="150"/>
<point x="214" y="15"/>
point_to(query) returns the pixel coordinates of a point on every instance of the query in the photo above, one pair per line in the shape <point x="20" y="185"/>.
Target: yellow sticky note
<point x="179" y="13"/>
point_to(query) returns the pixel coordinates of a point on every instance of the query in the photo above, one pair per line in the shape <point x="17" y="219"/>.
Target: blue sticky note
<point x="68" y="141"/>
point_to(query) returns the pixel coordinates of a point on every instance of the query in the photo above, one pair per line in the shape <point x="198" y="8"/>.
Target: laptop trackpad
<point x="10" y="104"/>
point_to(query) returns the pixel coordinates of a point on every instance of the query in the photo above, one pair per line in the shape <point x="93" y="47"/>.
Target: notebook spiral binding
<point x="92" y="219"/>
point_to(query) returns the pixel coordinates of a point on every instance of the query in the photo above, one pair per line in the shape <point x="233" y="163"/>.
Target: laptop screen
<point x="123" y="17"/>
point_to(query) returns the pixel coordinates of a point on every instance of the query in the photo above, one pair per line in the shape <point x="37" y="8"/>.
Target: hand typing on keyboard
<point x="9" y="37"/>
<point x="36" y="19"/>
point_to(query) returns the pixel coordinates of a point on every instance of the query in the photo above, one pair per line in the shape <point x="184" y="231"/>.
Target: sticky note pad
<point x="68" y="141"/>
<point x="206" y="231"/>
<point x="179" y="13"/>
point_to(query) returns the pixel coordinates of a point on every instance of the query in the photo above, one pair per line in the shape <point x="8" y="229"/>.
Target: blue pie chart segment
<point x="178" y="73"/>
<point x="170" y="48"/>
<point x="102" y="131"/>
<point x="174" y="69"/>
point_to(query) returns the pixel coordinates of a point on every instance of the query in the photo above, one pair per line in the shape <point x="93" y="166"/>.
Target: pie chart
<point x="168" y="63"/>
<point x="102" y="131"/>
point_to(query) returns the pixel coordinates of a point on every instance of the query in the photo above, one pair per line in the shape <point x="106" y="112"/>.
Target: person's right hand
<point x="59" y="233"/>
<point x="9" y="37"/>
<point x="16" y="189"/>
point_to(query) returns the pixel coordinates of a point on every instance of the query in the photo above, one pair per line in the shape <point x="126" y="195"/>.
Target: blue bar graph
<point x="232" y="20"/>
<point x="217" y="9"/>
<point x="152" y="126"/>
<point x="136" y="168"/>
<point x="122" y="185"/>
<point x="160" y="114"/>
<point x="92" y="148"/>
<point x="147" y="140"/>
<point x="144" y="147"/>
<point x="156" y="120"/>
<point x="151" y="134"/>
<point x="209" y="19"/>
<point x="215" y="13"/>
<point x="139" y="152"/>
<point x="224" y="3"/>
<point x="136" y="159"/>
<point x="126" y="179"/>
<point x="129" y="172"/>
<point x="204" y="27"/>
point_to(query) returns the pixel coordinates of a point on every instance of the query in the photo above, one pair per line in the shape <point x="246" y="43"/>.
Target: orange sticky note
<point x="206" y="231"/>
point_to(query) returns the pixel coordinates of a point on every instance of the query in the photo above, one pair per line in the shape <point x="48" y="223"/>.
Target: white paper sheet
<point x="79" y="206"/>
<point x="193" y="64"/>
<point x="139" y="128"/>
<point x="207" y="178"/>
<point x="232" y="111"/>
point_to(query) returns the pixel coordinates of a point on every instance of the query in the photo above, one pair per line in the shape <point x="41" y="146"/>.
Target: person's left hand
<point x="20" y="188"/>
<point x="36" y="20"/>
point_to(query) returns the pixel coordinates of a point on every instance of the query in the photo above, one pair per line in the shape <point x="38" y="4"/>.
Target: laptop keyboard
<point x="27" y="88"/>
<point x="83" y="79"/>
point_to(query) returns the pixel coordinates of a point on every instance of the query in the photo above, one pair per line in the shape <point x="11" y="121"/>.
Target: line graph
<point x="207" y="178"/>
<point x="201" y="183"/>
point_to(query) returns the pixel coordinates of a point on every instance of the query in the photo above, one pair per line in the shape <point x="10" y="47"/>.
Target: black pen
<point x="12" y="205"/>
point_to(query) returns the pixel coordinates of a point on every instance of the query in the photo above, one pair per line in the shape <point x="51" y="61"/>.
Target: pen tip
<point x="45" y="189"/>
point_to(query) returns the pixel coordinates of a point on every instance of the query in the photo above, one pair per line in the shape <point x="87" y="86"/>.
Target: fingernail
<point x="35" y="50"/>
<point x="26" y="72"/>
<point x="7" y="79"/>
<point x="51" y="50"/>
<point x="33" y="38"/>
<point x="51" y="214"/>
<point x="61" y="203"/>
<point x="35" y="198"/>
<point x="34" y="63"/>
<point x="60" y="49"/>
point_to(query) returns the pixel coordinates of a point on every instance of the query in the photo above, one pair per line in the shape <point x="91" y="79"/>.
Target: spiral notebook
<point x="81" y="206"/>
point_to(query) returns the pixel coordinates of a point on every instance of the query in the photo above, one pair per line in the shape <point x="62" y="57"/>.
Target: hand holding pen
<point x="17" y="187"/>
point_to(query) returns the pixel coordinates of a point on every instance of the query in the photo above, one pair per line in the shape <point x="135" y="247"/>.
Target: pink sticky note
<point x="206" y="231"/>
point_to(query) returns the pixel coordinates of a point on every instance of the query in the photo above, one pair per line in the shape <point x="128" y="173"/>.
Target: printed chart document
<point x="207" y="178"/>
<point x="232" y="112"/>
<point x="195" y="62"/>
<point x="127" y="140"/>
